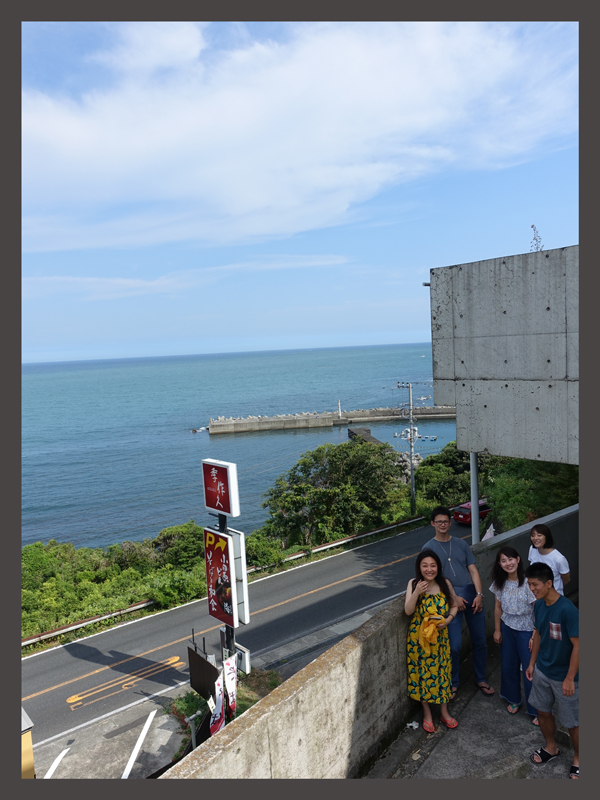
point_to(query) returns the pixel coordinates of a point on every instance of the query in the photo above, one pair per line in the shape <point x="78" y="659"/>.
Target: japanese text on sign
<point x="220" y="577"/>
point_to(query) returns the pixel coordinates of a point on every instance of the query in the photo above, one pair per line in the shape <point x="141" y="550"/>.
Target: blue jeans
<point x="476" y="624"/>
<point x="514" y="651"/>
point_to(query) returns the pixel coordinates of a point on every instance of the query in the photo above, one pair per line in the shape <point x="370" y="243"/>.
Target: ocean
<point x="108" y="453"/>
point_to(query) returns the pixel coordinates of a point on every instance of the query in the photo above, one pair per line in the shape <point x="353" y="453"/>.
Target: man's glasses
<point x="441" y="522"/>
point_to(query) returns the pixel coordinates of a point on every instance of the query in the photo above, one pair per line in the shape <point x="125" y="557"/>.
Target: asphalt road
<point x="69" y="687"/>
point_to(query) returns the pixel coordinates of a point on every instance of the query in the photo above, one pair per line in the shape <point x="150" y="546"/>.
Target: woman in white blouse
<point x="542" y="549"/>
<point x="513" y="618"/>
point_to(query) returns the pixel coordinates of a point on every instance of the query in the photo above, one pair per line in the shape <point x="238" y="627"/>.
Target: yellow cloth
<point x="428" y="632"/>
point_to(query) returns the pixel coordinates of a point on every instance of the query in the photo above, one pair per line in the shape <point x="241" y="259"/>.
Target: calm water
<point x="108" y="452"/>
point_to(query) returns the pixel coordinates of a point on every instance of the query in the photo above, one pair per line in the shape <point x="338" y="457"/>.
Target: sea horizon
<point x="109" y="453"/>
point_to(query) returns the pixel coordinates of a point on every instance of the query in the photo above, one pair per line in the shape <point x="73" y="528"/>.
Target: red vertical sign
<point x="216" y="487"/>
<point x="220" y="577"/>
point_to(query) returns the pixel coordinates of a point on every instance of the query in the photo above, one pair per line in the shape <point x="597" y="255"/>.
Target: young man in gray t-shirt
<point x="459" y="567"/>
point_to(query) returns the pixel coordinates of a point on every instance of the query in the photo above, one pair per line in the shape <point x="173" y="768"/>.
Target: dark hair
<point x="545" y="531"/>
<point x="440" y="580"/>
<point x="499" y="576"/>
<point x="440" y="510"/>
<point x="538" y="571"/>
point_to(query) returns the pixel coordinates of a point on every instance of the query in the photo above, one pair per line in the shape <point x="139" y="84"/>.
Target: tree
<point x="521" y="490"/>
<point x="332" y="492"/>
<point x="181" y="545"/>
<point x="446" y="476"/>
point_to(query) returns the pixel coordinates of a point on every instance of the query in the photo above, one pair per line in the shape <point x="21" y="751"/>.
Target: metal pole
<point x="474" y="499"/>
<point x="413" y="504"/>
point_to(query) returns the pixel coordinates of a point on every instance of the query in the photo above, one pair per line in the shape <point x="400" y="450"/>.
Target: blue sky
<point x="215" y="187"/>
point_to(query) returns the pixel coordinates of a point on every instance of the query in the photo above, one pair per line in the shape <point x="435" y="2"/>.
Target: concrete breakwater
<point x="326" y="419"/>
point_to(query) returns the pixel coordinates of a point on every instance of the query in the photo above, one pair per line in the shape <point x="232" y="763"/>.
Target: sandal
<point x="485" y="689"/>
<point x="449" y="723"/>
<point x="574" y="772"/>
<point x="428" y="726"/>
<point x="535" y="721"/>
<point x="544" y="755"/>
<point x="454" y="692"/>
<point x="512" y="708"/>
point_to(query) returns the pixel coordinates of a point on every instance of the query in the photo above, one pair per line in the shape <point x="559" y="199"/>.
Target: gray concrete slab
<point x="488" y="743"/>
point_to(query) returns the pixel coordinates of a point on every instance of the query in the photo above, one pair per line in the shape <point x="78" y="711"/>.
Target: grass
<point x="250" y="689"/>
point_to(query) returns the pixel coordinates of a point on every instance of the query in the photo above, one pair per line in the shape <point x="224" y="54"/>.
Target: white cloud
<point x="112" y="288"/>
<point x="268" y="139"/>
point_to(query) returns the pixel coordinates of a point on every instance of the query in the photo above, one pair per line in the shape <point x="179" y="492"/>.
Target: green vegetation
<point x="332" y="492"/>
<point x="62" y="583"/>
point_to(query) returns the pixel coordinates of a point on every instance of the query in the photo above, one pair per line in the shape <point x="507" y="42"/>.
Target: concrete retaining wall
<point x="325" y="721"/>
<point x="340" y="712"/>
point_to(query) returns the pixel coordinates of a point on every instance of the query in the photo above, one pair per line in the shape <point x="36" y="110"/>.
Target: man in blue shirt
<point x="554" y="664"/>
<point x="459" y="567"/>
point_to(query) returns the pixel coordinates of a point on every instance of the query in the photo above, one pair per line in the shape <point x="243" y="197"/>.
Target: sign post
<point x="221" y="496"/>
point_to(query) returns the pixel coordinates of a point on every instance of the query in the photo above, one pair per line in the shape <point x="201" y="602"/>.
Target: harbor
<point x="325" y="419"/>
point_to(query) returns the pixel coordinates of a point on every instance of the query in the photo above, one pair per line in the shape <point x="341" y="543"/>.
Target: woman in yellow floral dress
<point x="432" y="604"/>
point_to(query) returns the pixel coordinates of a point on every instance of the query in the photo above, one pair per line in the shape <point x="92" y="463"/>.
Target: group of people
<point x="536" y="626"/>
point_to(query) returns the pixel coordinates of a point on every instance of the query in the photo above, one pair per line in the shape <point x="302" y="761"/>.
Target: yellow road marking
<point x="130" y="679"/>
<point x="215" y="627"/>
<point x="124" y="682"/>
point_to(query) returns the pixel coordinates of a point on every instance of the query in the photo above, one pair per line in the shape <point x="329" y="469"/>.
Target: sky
<point x="193" y="187"/>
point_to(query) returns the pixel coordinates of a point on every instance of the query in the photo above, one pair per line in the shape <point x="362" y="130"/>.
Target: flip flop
<point x="544" y="755"/>
<point x="535" y="721"/>
<point x="428" y="726"/>
<point x="449" y="723"/>
<point x="512" y="708"/>
<point x="485" y="689"/>
<point x="574" y="772"/>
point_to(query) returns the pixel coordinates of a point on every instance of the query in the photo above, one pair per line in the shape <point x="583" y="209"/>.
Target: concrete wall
<point x="505" y="335"/>
<point x="325" y="420"/>
<point x="338" y="713"/>
<point x="324" y="722"/>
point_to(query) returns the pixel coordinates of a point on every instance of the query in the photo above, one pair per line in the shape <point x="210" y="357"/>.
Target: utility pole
<point x="475" y="528"/>
<point x="411" y="442"/>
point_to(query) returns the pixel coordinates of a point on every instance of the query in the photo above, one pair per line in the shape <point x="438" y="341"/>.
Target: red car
<point x="462" y="513"/>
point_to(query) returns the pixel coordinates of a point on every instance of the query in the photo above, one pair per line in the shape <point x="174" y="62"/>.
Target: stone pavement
<point x="488" y="742"/>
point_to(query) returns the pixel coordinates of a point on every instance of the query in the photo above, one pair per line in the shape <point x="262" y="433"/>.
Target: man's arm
<point x="474" y="573"/>
<point x="569" y="681"/>
<point x="535" y="648"/>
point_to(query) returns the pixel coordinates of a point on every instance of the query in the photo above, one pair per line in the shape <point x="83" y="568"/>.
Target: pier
<point x="326" y="419"/>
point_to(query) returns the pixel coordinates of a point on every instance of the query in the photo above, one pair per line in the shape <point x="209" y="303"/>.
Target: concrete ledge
<point x="327" y="721"/>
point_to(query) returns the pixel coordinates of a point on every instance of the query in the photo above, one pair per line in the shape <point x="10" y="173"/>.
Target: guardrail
<point x="82" y="623"/>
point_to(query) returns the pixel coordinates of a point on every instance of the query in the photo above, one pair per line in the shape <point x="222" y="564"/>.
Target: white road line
<point x="138" y="744"/>
<point x="110" y="714"/>
<point x="56" y="762"/>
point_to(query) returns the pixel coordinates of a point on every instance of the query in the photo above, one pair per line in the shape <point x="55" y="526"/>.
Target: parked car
<point x="462" y="513"/>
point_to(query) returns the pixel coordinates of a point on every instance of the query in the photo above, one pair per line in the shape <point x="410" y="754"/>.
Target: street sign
<point x="241" y="575"/>
<point x="220" y="577"/>
<point x="221" y="487"/>
<point x="203" y="674"/>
